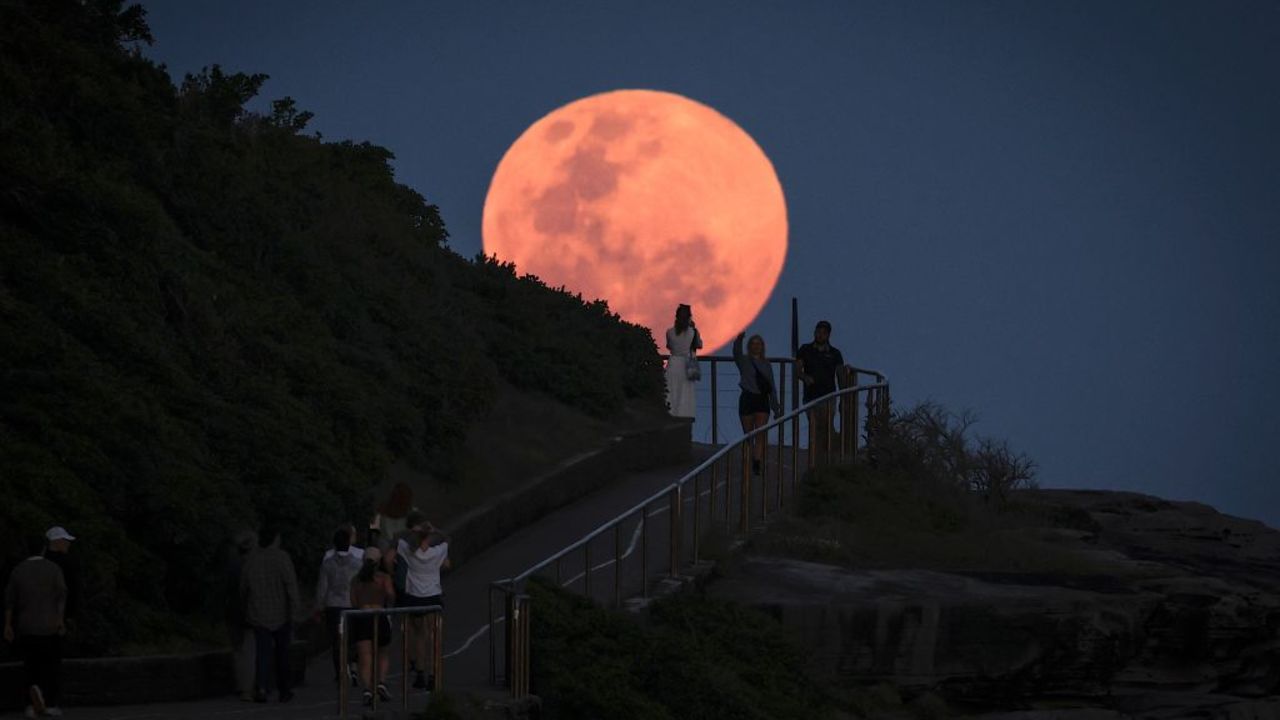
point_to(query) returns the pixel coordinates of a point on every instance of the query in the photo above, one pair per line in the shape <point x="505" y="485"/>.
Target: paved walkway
<point x="466" y="639"/>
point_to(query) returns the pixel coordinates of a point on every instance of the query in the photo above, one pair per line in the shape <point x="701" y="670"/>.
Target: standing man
<point x="269" y="590"/>
<point x="34" y="619"/>
<point x="820" y="366"/>
<point x="58" y="549"/>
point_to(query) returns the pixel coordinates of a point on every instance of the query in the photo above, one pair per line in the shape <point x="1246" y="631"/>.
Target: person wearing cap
<point x="34" y="620"/>
<point x="58" y="549"/>
<point x="821" y="367"/>
<point x="372" y="588"/>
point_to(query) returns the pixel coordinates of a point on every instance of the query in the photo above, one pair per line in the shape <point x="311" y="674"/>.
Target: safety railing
<point x="436" y="626"/>
<point x="759" y="491"/>
<point x="788" y="384"/>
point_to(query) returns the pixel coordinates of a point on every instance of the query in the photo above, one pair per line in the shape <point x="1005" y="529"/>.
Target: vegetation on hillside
<point x="696" y="657"/>
<point x="208" y="317"/>
<point x="924" y="493"/>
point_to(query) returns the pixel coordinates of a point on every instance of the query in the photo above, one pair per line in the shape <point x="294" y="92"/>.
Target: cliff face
<point x="1179" y="617"/>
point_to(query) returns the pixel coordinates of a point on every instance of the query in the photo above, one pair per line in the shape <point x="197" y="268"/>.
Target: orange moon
<point x="647" y="200"/>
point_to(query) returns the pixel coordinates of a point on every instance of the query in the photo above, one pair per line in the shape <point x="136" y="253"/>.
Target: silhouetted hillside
<point x="207" y="318"/>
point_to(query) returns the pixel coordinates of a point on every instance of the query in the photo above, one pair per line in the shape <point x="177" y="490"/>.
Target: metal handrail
<point x="437" y="653"/>
<point x="703" y="466"/>
<point x="713" y="361"/>
<point x="517" y="604"/>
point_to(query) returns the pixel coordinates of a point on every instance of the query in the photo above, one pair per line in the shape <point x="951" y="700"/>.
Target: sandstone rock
<point x="1184" y="623"/>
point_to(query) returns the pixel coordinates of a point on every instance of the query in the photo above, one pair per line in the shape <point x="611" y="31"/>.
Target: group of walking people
<point x="397" y="566"/>
<point x="819" y="365"/>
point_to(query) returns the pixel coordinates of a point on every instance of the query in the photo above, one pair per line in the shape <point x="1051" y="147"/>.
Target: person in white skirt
<point x="683" y="343"/>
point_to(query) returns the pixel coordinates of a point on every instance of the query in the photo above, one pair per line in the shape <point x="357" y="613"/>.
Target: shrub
<point x="697" y="657"/>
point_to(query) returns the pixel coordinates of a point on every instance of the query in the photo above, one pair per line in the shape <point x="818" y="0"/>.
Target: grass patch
<point x="861" y="518"/>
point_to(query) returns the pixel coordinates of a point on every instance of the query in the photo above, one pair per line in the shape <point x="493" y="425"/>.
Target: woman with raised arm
<point x="758" y="396"/>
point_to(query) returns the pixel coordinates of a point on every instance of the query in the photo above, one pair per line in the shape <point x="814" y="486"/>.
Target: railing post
<point x="764" y="475"/>
<point x="586" y="569"/>
<point x="404" y="654"/>
<point x="437" y="650"/>
<point x="617" y="565"/>
<point x="644" y="551"/>
<point x="715" y="406"/>
<point x="520" y="642"/>
<point x="852" y="404"/>
<point x="344" y="663"/>
<point x="745" y="490"/>
<point x="373" y="671"/>
<point x="697" y="499"/>
<point x="782" y="427"/>
<point x="711" y="498"/>
<point x="493" y="650"/>
<point x="509" y="631"/>
<point x="795" y="452"/>
<point x="674" y="513"/>
<point x="728" y="492"/>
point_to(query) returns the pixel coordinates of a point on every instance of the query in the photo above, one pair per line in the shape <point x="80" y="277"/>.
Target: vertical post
<point x="437" y="649"/>
<point x="781" y="431"/>
<point x="674" y="513"/>
<point x="493" y="654"/>
<point x="697" y="498"/>
<point x="745" y="489"/>
<point x="813" y="435"/>
<point x="854" y="414"/>
<point x="373" y="671"/>
<point x="509" y="632"/>
<point x="795" y="348"/>
<point x="715" y="406"/>
<point x="764" y="478"/>
<point x="782" y="427"/>
<point x="644" y="551"/>
<point x="795" y="452"/>
<point x="344" y="663"/>
<point x="728" y="491"/>
<point x="829" y="410"/>
<point x="404" y="654"/>
<point x="586" y="569"/>
<point x="617" y="565"/>
<point x="520" y="643"/>
<point x="711" y="498"/>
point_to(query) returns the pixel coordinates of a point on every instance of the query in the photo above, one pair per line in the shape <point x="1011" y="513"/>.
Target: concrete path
<point x="467" y="589"/>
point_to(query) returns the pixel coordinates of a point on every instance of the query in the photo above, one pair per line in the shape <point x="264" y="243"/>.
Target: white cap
<point x="57" y="532"/>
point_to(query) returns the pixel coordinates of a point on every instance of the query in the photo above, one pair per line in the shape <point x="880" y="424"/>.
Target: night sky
<point x="1064" y="216"/>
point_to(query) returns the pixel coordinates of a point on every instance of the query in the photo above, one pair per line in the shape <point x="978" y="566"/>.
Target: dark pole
<point x="795" y="347"/>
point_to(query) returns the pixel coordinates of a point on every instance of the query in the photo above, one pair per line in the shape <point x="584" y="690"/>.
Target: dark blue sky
<point x="1065" y="216"/>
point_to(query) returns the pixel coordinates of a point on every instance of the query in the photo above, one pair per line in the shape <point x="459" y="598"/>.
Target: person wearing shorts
<point x="426" y="553"/>
<point x="371" y="588"/>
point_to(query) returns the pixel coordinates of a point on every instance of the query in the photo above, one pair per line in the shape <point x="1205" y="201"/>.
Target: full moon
<point x="646" y="200"/>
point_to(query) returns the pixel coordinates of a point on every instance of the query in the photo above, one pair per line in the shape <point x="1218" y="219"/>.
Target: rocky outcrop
<point x="1180" y="619"/>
